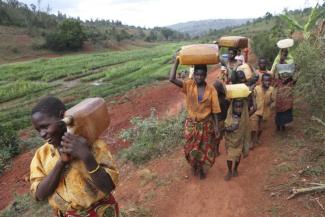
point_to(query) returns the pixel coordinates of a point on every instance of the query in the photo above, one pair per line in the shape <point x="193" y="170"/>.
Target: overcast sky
<point x="150" y="13"/>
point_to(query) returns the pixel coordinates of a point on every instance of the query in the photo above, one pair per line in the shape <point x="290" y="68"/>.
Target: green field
<point x="75" y="77"/>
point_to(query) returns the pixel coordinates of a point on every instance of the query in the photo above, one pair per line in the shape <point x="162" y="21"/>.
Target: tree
<point x="167" y="33"/>
<point x="316" y="13"/>
<point x="69" y="37"/>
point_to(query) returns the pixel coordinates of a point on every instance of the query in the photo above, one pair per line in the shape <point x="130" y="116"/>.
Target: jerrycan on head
<point x="88" y="119"/>
<point x="196" y="54"/>
<point x="237" y="91"/>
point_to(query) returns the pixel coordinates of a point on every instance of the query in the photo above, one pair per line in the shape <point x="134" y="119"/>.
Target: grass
<point x="76" y="77"/>
<point x="26" y="206"/>
<point x="136" y="211"/>
<point x="151" y="138"/>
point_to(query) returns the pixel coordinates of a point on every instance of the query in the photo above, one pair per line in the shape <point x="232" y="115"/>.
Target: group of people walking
<point x="77" y="178"/>
<point x="212" y="116"/>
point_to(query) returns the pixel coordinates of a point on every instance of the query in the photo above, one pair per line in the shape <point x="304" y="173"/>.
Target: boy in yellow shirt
<point x="264" y="96"/>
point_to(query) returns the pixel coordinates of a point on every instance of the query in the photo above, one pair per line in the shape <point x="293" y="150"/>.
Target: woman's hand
<point x="75" y="146"/>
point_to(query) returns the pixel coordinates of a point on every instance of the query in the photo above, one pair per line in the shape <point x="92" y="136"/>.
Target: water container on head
<point x="237" y="91"/>
<point x="233" y="42"/>
<point x="196" y="54"/>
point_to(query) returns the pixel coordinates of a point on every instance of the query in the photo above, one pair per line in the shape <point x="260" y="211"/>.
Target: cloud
<point x="152" y="13"/>
<point x="130" y="1"/>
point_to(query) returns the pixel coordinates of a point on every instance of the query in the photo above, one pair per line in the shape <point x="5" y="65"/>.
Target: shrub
<point x="9" y="146"/>
<point x="69" y="37"/>
<point x="151" y="137"/>
<point x="309" y="56"/>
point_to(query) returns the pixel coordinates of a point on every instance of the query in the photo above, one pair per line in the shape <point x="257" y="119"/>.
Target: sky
<point x="150" y="13"/>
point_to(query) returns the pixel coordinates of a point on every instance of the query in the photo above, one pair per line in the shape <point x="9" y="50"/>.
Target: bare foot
<point x="228" y="176"/>
<point x="235" y="173"/>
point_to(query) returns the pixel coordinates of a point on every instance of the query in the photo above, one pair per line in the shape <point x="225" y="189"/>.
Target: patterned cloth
<point x="199" y="148"/>
<point x="284" y="95"/>
<point x="76" y="190"/>
<point x="107" y="207"/>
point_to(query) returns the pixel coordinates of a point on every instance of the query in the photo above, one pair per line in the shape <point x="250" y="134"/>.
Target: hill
<point x="197" y="28"/>
<point x="24" y="30"/>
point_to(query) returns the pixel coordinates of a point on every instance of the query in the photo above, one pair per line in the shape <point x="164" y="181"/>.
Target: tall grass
<point x="151" y="138"/>
<point x="310" y="58"/>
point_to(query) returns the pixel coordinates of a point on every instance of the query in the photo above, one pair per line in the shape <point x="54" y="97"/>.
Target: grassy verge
<point x="26" y="206"/>
<point x="151" y="138"/>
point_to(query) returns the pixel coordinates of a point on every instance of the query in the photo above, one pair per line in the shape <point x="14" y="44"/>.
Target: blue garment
<point x="200" y="98"/>
<point x="283" y="118"/>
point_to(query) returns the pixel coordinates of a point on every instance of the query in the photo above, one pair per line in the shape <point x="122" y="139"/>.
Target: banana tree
<point x="315" y="14"/>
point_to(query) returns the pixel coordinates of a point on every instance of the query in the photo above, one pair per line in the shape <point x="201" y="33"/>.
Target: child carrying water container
<point x="264" y="96"/>
<point x="75" y="177"/>
<point x="237" y="137"/>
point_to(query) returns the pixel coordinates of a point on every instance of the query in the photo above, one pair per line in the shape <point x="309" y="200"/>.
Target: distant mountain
<point x="196" y="28"/>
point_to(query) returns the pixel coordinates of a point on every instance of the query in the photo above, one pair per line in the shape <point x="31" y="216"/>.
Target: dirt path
<point x="171" y="190"/>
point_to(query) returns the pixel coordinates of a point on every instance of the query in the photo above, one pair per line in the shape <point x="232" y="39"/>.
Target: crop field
<point x="73" y="78"/>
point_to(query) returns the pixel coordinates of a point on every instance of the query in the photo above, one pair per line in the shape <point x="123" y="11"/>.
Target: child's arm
<point x="172" y="77"/>
<point x="79" y="148"/>
<point x="48" y="185"/>
<point x="252" y="109"/>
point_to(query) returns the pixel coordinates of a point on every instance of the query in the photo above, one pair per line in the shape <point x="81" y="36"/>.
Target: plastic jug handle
<point x="69" y="122"/>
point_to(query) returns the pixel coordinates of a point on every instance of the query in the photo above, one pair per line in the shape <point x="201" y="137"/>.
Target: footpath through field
<point x="171" y="190"/>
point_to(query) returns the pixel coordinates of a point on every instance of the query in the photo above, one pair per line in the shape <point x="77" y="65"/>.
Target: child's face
<point x="200" y="76"/>
<point x="284" y="54"/>
<point x="238" y="107"/>
<point x="231" y="54"/>
<point x="262" y="64"/>
<point x="50" y="128"/>
<point x="266" y="81"/>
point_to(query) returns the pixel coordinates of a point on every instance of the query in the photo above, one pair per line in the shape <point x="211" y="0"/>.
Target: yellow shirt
<point x="264" y="100"/>
<point x="76" y="190"/>
<point x="200" y="110"/>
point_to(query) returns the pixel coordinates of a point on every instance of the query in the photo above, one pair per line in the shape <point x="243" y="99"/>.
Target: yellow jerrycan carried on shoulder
<point x="89" y="119"/>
